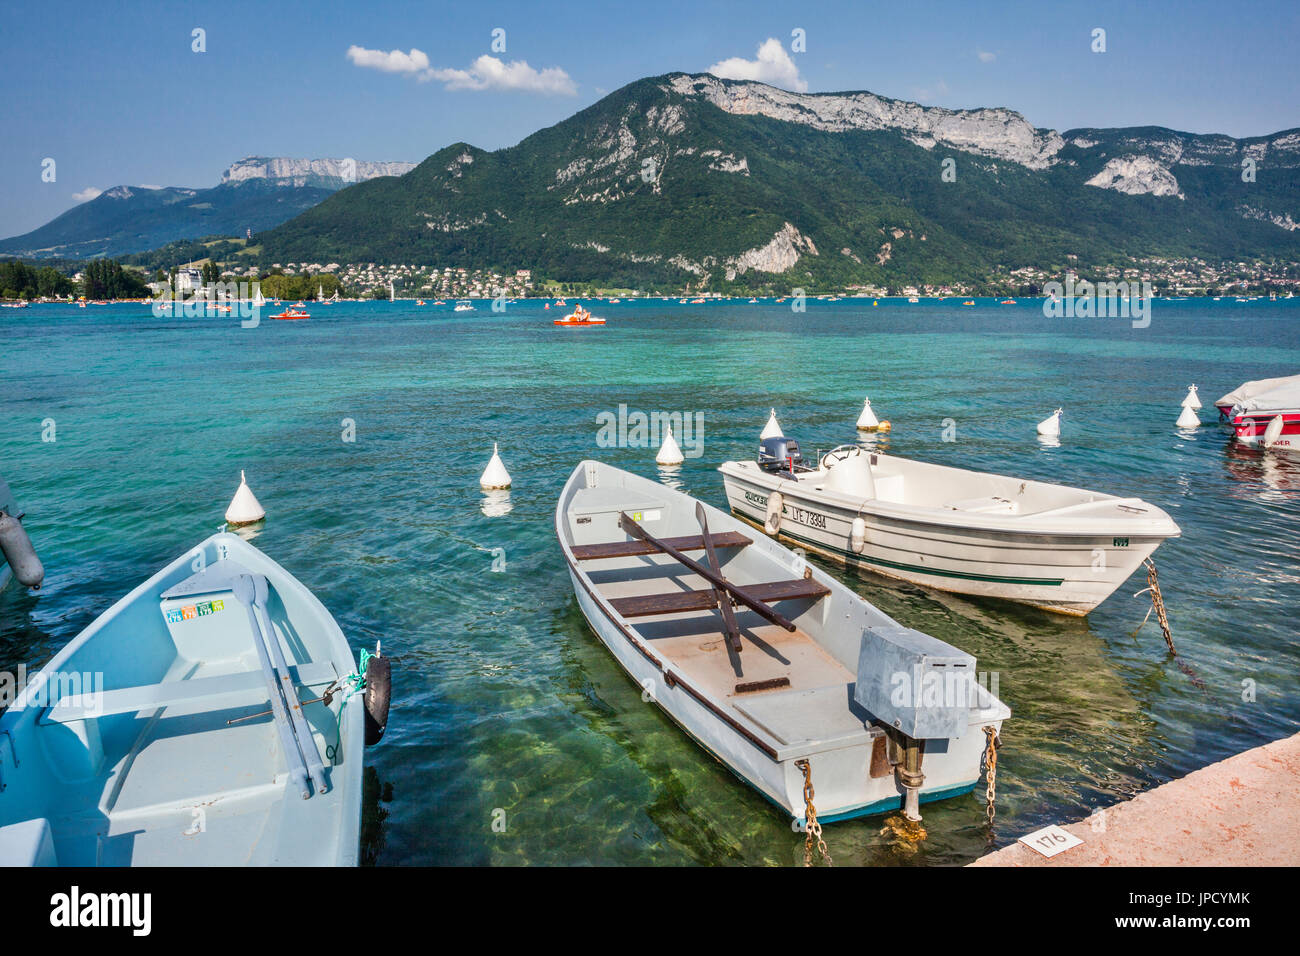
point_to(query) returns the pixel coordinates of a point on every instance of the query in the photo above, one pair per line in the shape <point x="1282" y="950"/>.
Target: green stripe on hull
<point x="915" y="569"/>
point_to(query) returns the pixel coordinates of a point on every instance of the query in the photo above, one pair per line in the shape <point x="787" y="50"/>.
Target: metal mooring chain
<point x="991" y="770"/>
<point x="812" y="828"/>
<point x="1158" y="603"/>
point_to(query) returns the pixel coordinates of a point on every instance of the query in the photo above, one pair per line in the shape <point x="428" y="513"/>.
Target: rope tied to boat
<point x="349" y="684"/>
<point x="812" y="829"/>
<point x="991" y="772"/>
<point x="1157" y="604"/>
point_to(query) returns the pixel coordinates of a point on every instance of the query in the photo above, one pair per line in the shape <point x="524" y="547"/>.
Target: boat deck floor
<point x="695" y="645"/>
<point x="184" y="776"/>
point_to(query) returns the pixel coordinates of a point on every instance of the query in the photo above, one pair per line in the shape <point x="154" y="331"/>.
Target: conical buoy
<point x="1191" y="401"/>
<point x="867" y="421"/>
<point x="244" y="507"/>
<point x="495" y="476"/>
<point x="1051" y="426"/>
<point x="772" y="429"/>
<point x="1188" y="418"/>
<point x="669" y="452"/>
<point x="1273" y="432"/>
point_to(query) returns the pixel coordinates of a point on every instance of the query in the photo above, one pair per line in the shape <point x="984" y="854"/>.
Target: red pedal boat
<point x="579" y="317"/>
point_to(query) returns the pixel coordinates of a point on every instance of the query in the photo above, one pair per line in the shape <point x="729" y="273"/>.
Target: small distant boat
<point x="913" y="299"/>
<point x="561" y="302"/>
<point x="290" y="314"/>
<point x="195" y="733"/>
<point x="579" y="317"/>
<point x="752" y="301"/>
<point x="775" y="668"/>
<point x="969" y="302"/>
<point x="615" y="301"/>
<point x="439" y="302"/>
<point x="419" y="302"/>
<point x="463" y="306"/>
<point x="951" y="529"/>
<point x="1007" y="302"/>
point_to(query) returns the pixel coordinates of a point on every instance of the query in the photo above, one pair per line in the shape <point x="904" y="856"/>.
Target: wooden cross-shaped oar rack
<point x="723" y="595"/>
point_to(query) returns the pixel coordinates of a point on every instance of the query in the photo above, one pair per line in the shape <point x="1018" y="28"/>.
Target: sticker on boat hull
<point x="189" y="612"/>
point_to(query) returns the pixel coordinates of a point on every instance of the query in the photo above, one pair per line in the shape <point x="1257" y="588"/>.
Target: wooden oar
<point x="724" y="599"/>
<point x="717" y="580"/>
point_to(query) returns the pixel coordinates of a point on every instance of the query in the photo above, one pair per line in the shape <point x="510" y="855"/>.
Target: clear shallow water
<point x="503" y="700"/>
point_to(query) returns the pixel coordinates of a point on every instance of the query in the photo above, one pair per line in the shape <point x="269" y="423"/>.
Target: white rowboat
<point x="770" y="665"/>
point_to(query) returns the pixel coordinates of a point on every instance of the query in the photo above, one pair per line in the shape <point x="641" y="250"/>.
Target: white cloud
<point x="394" y="61"/>
<point x="985" y="56"/>
<point x="773" y="66"/>
<point x="485" y="73"/>
<point x="490" y="73"/>
<point x="87" y="194"/>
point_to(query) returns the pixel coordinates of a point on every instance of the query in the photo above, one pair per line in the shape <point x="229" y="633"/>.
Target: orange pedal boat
<point x="579" y="317"/>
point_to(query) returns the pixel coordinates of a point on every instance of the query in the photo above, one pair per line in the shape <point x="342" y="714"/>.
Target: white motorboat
<point x="1248" y="391"/>
<point x="1059" y="548"/>
<point x="1268" y="418"/>
<point x="880" y="716"/>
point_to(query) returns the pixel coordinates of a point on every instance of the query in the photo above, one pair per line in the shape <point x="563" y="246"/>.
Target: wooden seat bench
<point x="702" y="600"/>
<point x="629" y="549"/>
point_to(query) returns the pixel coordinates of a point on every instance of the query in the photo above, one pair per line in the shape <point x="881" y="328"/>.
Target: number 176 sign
<point x="1050" y="841"/>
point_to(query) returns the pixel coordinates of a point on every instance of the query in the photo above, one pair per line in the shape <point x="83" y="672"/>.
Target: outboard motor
<point x="779" y="455"/>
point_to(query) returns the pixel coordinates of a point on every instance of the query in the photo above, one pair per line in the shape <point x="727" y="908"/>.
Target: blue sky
<point x="115" y="94"/>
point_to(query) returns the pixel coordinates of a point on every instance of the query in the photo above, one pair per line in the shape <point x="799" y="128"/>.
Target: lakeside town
<point x="1168" y="277"/>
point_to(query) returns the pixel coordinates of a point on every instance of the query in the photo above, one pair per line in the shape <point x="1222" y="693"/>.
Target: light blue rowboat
<point x="159" y="736"/>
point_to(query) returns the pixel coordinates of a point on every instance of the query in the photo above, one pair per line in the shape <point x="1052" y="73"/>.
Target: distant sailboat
<point x="259" y="300"/>
<point x="335" y="296"/>
<point x="392" y="295"/>
<point x="320" y="293"/>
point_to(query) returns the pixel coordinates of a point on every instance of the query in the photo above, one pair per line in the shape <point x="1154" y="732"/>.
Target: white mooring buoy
<point x="772" y="429"/>
<point x="244" y="507"/>
<point x="1051" y="426"/>
<point x="867" y="421"/>
<point x="669" y="452"/>
<point x="1191" y="401"/>
<point x="495" y="477"/>
<point x="1188" y="418"/>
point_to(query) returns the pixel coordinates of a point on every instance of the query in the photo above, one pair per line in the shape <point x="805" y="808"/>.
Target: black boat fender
<point x="379" y="683"/>
<point x="18" y="551"/>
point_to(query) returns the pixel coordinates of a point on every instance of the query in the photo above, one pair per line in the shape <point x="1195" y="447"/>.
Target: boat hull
<point x="845" y="786"/>
<point x="1063" y="573"/>
<point x="149" y="769"/>
<point x="1248" y="428"/>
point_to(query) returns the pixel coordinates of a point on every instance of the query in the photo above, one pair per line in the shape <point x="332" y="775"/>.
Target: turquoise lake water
<point x="505" y="705"/>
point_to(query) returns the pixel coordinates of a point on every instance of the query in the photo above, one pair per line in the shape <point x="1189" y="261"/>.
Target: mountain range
<point x="695" y="178"/>
<point x="255" y="193"/>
